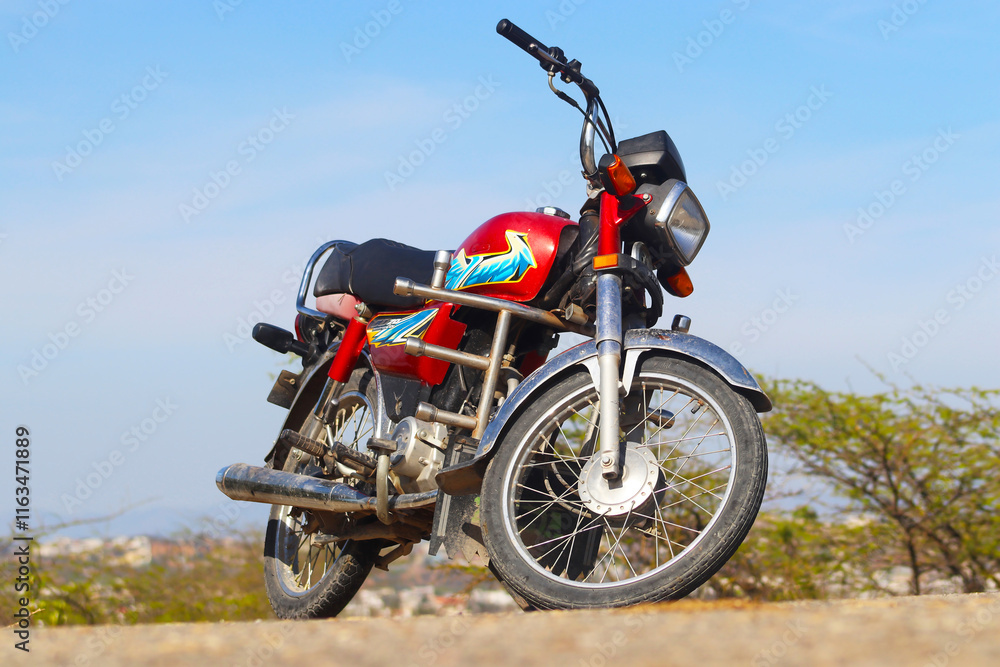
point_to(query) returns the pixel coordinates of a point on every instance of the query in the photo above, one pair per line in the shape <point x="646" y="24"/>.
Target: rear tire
<point x="307" y="580"/>
<point x="561" y="537"/>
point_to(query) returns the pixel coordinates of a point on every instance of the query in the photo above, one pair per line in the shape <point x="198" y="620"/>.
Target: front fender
<point x="467" y="477"/>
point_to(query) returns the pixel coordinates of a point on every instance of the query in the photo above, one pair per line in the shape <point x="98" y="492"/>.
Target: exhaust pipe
<point x="241" y="481"/>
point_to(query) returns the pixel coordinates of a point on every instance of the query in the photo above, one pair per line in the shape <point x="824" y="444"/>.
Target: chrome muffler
<point x="241" y="481"/>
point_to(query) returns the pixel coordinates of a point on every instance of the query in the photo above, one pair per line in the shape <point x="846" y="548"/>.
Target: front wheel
<point x="694" y="470"/>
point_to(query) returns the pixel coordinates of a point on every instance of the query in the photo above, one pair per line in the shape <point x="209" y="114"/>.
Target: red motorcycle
<point x="626" y="469"/>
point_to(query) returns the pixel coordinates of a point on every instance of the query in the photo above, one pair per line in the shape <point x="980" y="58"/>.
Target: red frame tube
<point x="350" y="349"/>
<point x="615" y="212"/>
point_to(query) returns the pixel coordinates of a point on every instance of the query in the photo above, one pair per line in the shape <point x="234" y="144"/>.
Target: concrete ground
<point x="927" y="631"/>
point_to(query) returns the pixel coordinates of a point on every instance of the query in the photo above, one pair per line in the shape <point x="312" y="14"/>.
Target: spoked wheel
<point x="305" y="575"/>
<point x="694" y="469"/>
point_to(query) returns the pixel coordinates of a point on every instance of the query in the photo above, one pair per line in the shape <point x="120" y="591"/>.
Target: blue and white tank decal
<point x="394" y="330"/>
<point x="508" y="266"/>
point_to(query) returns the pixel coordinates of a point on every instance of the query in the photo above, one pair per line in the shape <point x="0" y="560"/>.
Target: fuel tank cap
<point x="552" y="210"/>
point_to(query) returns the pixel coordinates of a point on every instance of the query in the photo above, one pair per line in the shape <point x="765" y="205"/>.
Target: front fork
<point x="615" y="211"/>
<point x="609" y="354"/>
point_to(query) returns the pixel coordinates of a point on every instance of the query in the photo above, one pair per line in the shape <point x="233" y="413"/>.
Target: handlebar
<point x="520" y="38"/>
<point x="553" y="60"/>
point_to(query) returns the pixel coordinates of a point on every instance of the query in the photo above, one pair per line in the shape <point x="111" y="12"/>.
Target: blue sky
<point x="792" y="118"/>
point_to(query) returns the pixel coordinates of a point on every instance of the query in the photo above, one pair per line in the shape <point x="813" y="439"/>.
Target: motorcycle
<point x="626" y="469"/>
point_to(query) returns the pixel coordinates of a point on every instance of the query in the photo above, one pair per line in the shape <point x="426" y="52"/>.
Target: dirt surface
<point x="937" y="631"/>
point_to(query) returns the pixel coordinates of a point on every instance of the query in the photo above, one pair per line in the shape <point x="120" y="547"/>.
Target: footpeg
<point x="328" y="456"/>
<point x="278" y="339"/>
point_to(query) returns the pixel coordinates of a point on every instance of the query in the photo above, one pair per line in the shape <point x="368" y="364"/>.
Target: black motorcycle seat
<point x="369" y="271"/>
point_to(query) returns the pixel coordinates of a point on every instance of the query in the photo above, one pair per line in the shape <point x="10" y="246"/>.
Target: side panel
<point x="387" y="334"/>
<point x="508" y="257"/>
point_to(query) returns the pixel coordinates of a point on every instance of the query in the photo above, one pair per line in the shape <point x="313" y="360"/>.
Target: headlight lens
<point x="688" y="225"/>
<point x="678" y="219"/>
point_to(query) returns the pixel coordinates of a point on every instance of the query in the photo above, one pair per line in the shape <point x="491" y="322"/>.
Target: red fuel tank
<point x="508" y="256"/>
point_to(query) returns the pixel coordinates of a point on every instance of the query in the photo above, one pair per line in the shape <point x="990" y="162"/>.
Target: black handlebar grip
<point x="519" y="37"/>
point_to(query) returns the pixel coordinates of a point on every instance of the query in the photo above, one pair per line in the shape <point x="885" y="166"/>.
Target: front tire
<point x="695" y="467"/>
<point x="305" y="579"/>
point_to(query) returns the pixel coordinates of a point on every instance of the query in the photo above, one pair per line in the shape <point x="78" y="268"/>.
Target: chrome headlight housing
<point x="675" y="220"/>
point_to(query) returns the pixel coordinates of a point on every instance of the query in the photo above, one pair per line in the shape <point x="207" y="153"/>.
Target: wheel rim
<point x="584" y="535"/>
<point x="301" y="561"/>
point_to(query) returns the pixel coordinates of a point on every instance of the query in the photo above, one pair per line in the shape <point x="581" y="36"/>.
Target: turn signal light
<point x="679" y="284"/>
<point x="621" y="178"/>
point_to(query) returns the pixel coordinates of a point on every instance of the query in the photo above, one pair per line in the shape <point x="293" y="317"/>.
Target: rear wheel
<point x="694" y="470"/>
<point x="305" y="576"/>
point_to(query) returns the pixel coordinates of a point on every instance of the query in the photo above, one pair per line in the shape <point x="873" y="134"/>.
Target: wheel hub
<point x="617" y="498"/>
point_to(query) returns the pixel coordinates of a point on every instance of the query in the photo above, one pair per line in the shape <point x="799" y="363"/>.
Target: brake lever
<point x="571" y="75"/>
<point x="543" y="55"/>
